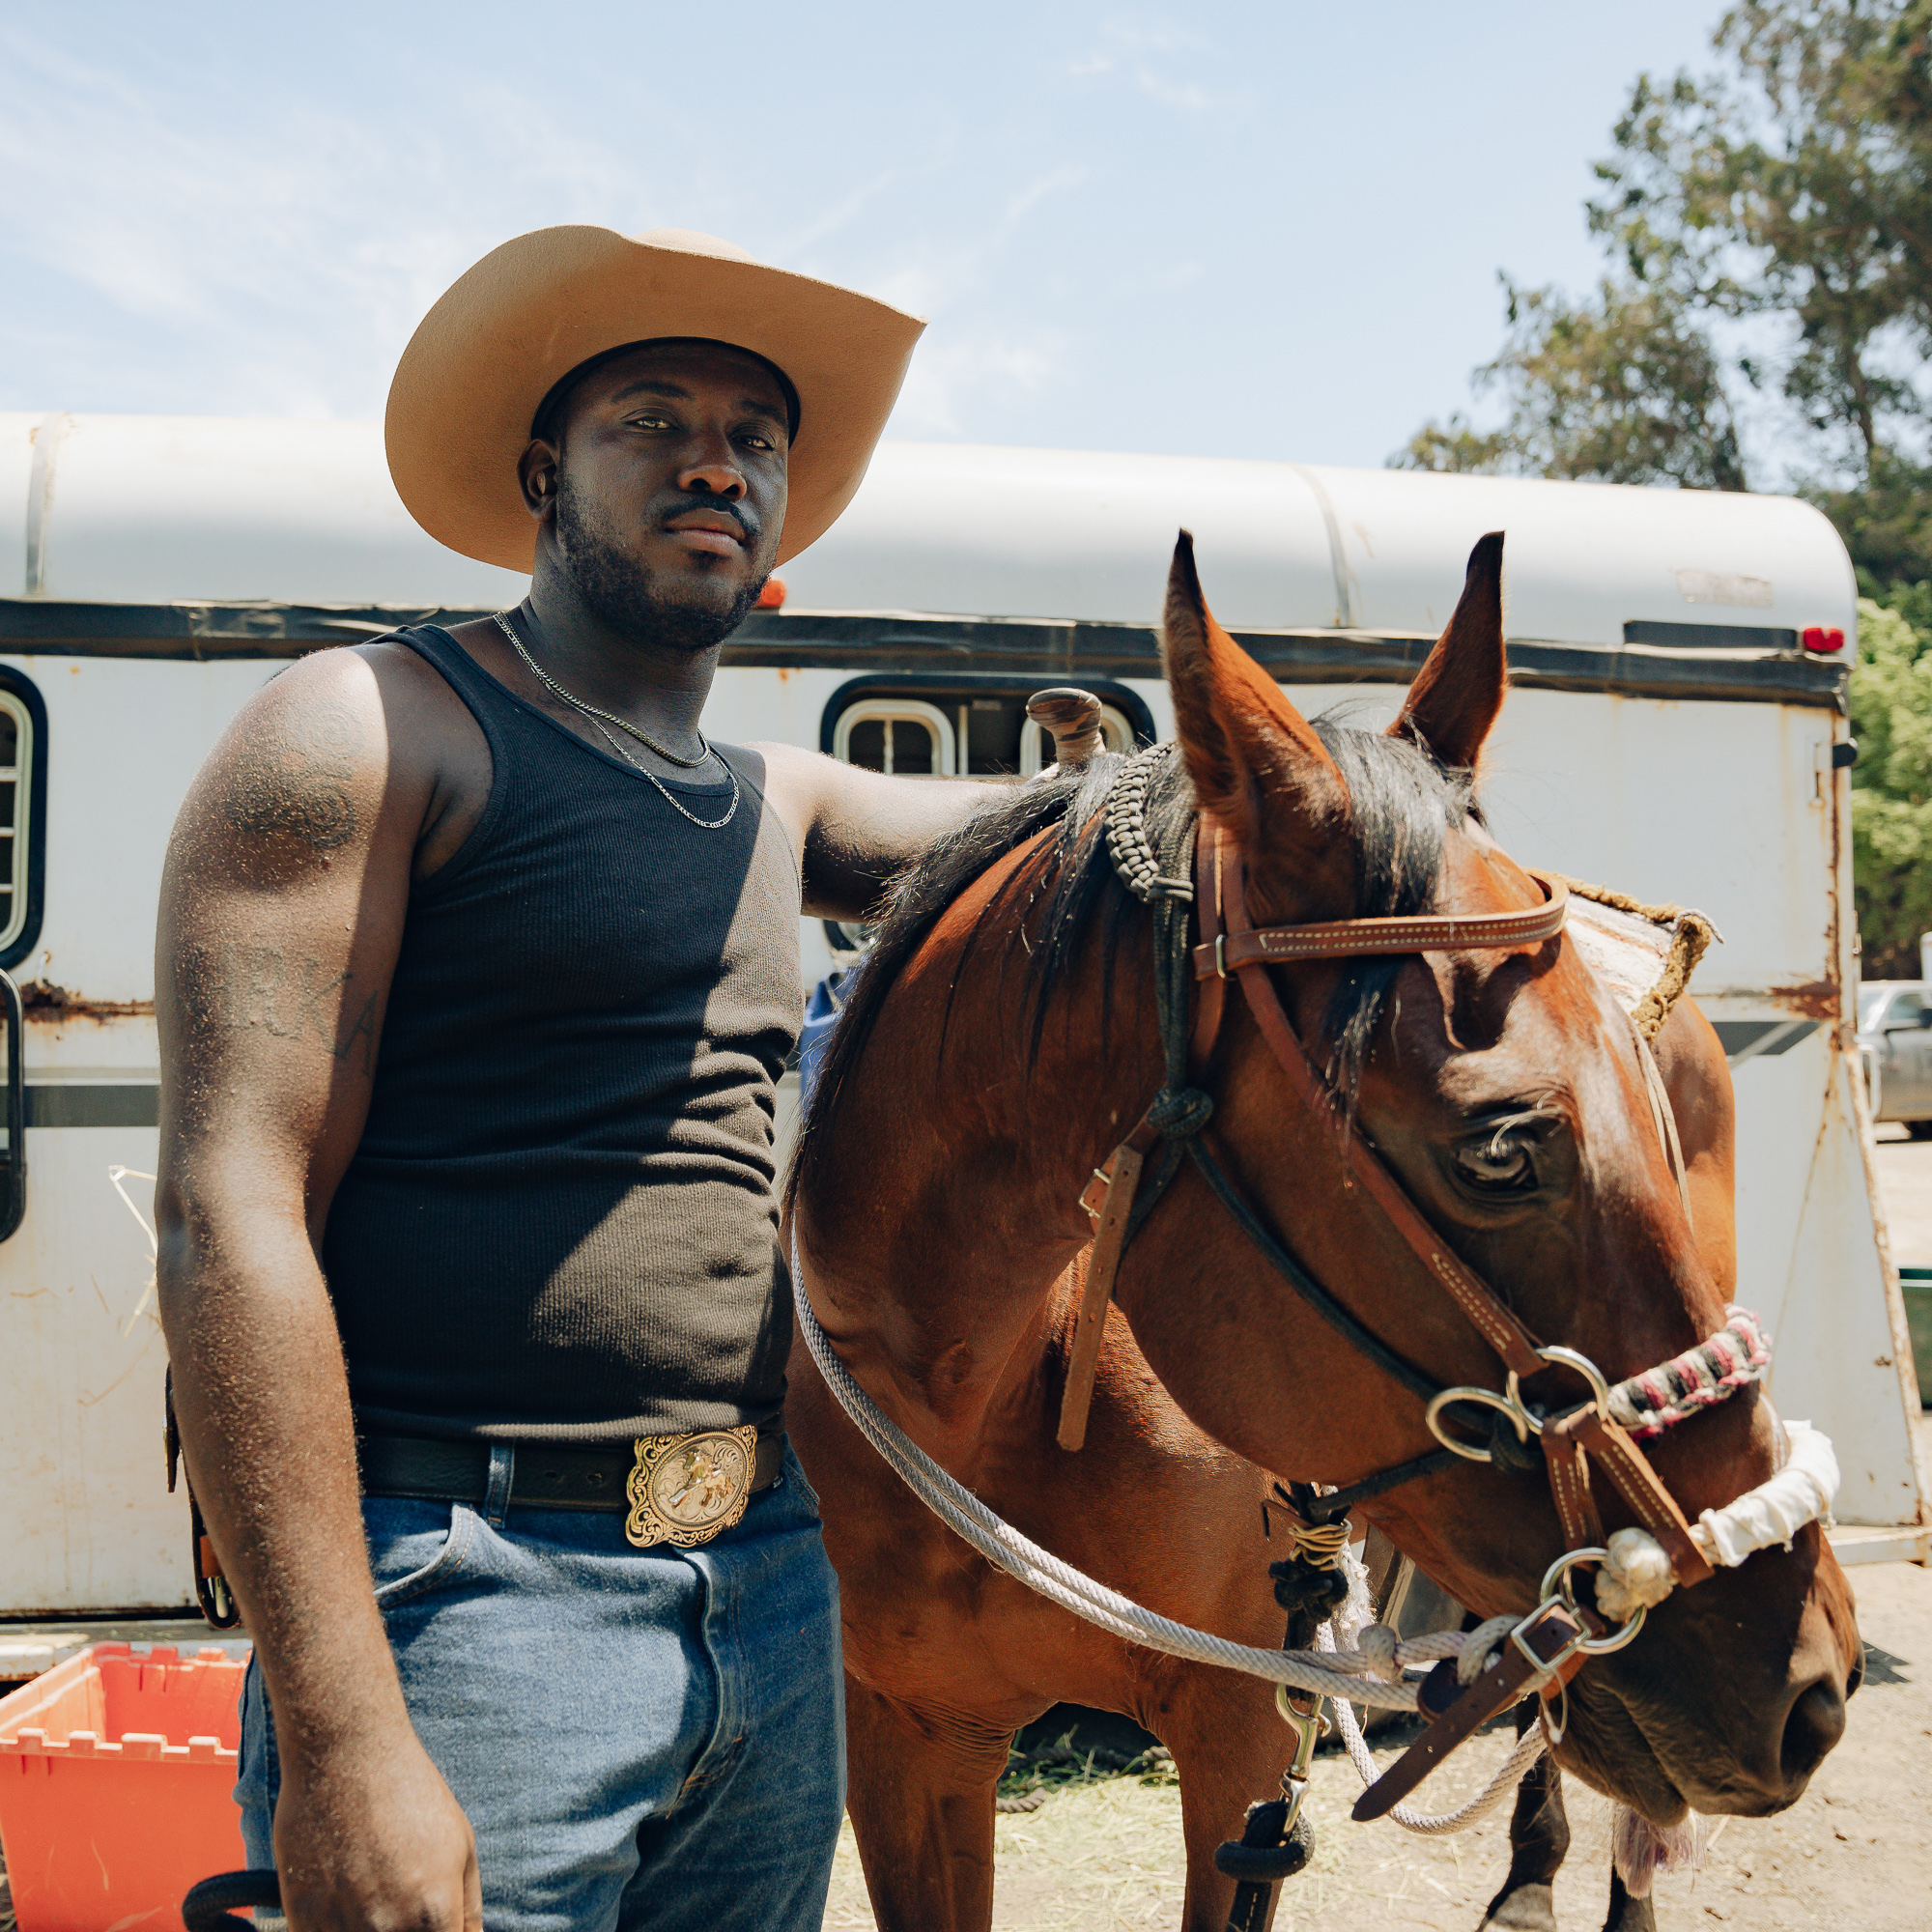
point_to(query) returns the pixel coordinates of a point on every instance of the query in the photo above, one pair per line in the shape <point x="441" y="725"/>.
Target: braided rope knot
<point x="1306" y="1585"/>
<point x="1636" y="1575"/>
<point x="1125" y="817"/>
<point x="1179" y="1113"/>
<point x="1377" y="1645"/>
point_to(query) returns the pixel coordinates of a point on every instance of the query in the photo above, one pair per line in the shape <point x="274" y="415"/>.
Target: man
<point x="477" y="964"/>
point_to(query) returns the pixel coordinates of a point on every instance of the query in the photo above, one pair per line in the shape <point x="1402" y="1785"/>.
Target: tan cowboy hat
<point x="489" y="352"/>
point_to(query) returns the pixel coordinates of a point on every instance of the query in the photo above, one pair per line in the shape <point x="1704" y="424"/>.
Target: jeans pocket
<point x="794" y="1473"/>
<point x="409" y="1552"/>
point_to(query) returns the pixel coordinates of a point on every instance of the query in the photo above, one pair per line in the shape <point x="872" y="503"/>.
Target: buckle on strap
<point x="1540" y="1645"/>
<point x="688" y="1489"/>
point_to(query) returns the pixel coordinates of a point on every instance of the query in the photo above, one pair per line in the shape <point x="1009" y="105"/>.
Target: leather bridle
<point x="1226" y="945"/>
<point x="1203" y="937"/>
<point x="1553" y="1642"/>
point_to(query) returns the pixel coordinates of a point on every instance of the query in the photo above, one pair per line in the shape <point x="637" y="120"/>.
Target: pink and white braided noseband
<point x="1637" y="1573"/>
<point x="1737" y="1354"/>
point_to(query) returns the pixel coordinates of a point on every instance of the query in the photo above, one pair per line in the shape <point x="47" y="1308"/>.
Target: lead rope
<point x="1337" y="1673"/>
<point x="1369" y="1673"/>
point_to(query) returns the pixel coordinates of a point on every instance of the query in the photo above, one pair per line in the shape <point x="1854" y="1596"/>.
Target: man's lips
<point x="709" y="531"/>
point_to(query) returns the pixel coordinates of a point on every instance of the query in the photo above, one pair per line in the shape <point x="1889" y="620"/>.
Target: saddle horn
<point x="1073" y="717"/>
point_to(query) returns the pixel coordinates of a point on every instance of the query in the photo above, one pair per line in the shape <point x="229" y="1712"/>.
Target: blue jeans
<point x="639" y="1736"/>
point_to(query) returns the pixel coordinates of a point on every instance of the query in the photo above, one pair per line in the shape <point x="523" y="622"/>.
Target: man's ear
<point x="537" y="474"/>
<point x="1256" y="762"/>
<point x="1459" y="691"/>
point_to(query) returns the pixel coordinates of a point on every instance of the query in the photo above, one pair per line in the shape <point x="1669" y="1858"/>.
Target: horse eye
<point x="1497" y="1164"/>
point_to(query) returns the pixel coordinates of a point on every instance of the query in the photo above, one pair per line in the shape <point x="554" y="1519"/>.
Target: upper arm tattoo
<point x="231" y="988"/>
<point x="294" y="779"/>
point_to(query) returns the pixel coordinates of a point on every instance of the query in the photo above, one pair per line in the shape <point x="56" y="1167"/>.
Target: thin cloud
<point x="952" y="377"/>
<point x="1143" y="58"/>
<point x="839" y="216"/>
<point x="296" y="245"/>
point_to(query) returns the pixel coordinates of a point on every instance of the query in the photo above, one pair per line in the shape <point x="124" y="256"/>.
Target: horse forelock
<point x="1403" y="806"/>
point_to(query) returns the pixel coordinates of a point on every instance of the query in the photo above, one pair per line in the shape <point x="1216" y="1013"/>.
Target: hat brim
<point x="528" y="313"/>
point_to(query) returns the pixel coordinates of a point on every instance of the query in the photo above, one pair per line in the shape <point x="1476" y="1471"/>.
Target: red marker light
<point x="1817" y="637"/>
<point x="773" y="596"/>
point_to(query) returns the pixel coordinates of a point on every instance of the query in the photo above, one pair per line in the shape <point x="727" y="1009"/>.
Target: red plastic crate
<point x="117" y="1778"/>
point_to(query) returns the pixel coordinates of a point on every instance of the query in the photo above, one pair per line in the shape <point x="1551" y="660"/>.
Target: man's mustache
<point x="715" y="506"/>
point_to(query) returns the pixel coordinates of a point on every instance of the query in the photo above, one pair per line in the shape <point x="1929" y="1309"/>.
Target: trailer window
<point x="944" y="736"/>
<point x="17" y="793"/>
<point x="901" y="735"/>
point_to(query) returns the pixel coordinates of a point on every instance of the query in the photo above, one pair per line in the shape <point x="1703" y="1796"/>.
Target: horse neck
<point x="944" y="1210"/>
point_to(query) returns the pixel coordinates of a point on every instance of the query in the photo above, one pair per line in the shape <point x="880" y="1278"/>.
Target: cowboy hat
<point x="529" y="312"/>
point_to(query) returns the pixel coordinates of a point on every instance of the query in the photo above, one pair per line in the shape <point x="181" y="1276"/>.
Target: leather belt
<point x="544" y="1475"/>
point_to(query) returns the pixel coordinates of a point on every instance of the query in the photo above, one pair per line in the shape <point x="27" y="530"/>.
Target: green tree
<point x="1798" y="183"/>
<point x="1784" y="199"/>
<point x="1792" y="187"/>
<point x="1891" y="800"/>
<point x="1624" y="389"/>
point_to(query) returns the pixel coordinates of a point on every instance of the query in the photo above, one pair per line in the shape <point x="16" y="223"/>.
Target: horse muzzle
<point x="1700" y="1714"/>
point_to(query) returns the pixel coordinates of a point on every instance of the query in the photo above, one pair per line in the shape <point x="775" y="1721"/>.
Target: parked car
<point x="1896" y="1044"/>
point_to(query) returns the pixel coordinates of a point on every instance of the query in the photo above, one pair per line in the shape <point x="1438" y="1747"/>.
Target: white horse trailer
<point x="1668" y="733"/>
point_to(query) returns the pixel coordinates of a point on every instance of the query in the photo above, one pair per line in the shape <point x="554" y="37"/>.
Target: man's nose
<point x="711" y="469"/>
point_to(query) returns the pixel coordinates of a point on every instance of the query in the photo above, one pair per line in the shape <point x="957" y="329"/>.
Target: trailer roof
<point x="118" y="516"/>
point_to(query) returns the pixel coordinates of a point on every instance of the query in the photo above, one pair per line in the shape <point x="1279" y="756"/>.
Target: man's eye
<point x="1497" y="1165"/>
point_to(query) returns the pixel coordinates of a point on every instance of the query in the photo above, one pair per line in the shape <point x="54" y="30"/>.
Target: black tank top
<point x="559" y="1223"/>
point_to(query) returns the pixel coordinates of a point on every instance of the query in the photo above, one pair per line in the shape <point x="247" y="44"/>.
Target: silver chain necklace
<point x="597" y="716"/>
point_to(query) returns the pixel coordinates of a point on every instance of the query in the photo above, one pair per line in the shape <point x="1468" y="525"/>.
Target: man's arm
<point x="856" y="828"/>
<point x="282" y="910"/>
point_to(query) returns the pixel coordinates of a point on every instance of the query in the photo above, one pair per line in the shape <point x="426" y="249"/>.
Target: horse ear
<point x="1456" y="696"/>
<point x="1256" y="762"/>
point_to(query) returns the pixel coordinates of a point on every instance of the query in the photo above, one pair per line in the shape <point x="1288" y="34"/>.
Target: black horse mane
<point x="1402" y="806"/>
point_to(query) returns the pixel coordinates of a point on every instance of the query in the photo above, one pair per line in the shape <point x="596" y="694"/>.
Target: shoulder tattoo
<point x="292" y="782"/>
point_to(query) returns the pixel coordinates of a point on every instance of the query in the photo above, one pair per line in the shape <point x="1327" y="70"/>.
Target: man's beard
<point x="623" y="592"/>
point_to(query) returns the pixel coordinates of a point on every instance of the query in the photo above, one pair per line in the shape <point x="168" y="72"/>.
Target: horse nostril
<point x="1816" y="1722"/>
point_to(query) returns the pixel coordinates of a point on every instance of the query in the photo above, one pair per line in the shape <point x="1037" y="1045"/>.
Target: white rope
<point x="1636" y="1571"/>
<point x="1772" y="1513"/>
<point x="1349" y="1621"/>
<point x="1330" y="1674"/>
<point x="1529" y="1748"/>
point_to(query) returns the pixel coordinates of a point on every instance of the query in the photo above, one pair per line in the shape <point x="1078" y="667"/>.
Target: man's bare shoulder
<point x="793" y="777"/>
<point x="327" y="746"/>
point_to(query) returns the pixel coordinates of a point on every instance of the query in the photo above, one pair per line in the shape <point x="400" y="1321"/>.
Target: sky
<point x="1253" y="229"/>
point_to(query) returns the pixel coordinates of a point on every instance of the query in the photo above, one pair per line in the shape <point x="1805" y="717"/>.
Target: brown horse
<point x="1001" y="1044"/>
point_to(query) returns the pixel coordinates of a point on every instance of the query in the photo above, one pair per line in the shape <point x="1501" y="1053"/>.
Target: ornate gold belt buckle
<point x="687" y="1488"/>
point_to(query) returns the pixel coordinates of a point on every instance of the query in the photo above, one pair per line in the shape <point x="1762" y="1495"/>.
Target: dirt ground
<point x="1855" y="1852"/>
